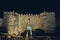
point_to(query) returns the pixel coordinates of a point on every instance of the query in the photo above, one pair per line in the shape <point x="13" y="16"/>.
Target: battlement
<point x="18" y="22"/>
<point x="29" y="14"/>
<point x="11" y="13"/>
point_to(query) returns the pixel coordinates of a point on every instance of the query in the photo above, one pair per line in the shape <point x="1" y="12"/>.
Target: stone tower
<point x="48" y="21"/>
<point x="11" y="22"/>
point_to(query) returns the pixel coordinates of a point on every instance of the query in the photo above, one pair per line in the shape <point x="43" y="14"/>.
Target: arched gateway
<point x="17" y="23"/>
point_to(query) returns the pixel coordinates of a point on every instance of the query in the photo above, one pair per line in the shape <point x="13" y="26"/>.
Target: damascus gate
<point x="17" y="23"/>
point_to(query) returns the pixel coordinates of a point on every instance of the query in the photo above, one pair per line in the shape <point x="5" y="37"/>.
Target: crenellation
<point x="29" y="14"/>
<point x="19" y="22"/>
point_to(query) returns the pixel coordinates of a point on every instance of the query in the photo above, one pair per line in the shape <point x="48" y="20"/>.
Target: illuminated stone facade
<point x="16" y="23"/>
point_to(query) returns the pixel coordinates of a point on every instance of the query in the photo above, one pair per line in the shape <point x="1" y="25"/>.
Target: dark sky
<point x="30" y="6"/>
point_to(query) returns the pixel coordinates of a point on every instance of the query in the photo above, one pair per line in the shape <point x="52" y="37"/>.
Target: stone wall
<point x="48" y="21"/>
<point x="17" y="23"/>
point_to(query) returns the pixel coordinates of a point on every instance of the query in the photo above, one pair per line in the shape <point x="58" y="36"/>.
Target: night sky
<point x="31" y="6"/>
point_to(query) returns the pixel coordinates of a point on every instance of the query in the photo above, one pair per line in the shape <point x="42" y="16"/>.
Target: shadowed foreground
<point x="33" y="38"/>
